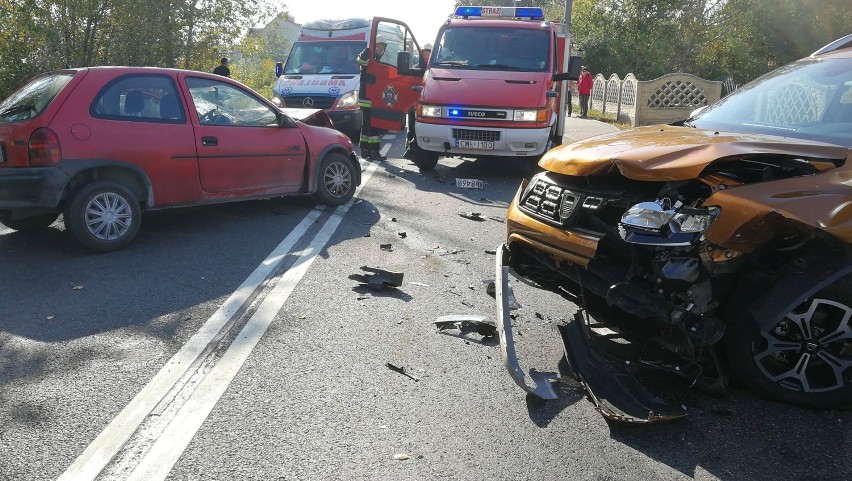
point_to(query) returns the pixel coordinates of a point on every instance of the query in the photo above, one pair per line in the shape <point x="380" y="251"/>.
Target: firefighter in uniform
<point x="370" y="138"/>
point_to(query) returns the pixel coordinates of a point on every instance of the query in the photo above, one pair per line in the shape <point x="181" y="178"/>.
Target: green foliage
<point x="742" y="39"/>
<point x="259" y="51"/>
<point x="42" y="35"/>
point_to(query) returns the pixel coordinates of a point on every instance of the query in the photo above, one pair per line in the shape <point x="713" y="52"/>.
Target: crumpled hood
<point x="484" y="88"/>
<point x="663" y="152"/>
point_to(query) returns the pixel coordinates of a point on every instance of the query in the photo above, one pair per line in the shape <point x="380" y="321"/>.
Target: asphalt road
<point x="297" y="384"/>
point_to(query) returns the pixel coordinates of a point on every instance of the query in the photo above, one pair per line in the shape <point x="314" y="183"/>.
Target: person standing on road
<point x="371" y="142"/>
<point x="584" y="90"/>
<point x="222" y="69"/>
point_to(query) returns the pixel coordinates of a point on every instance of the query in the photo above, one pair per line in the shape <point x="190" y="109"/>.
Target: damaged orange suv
<point x="719" y="245"/>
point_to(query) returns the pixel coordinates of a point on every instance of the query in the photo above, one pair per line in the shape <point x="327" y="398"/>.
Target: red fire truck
<point x="493" y="86"/>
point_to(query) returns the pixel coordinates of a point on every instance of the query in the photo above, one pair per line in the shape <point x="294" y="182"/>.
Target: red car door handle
<point x="209" y="141"/>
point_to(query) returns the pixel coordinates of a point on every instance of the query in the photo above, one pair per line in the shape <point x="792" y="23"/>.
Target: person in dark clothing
<point x="223" y="69"/>
<point x="371" y="141"/>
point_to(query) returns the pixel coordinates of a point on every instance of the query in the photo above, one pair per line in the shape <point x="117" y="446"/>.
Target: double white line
<point x="186" y="371"/>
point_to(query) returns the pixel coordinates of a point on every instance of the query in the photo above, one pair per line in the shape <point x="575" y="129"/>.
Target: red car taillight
<point x="44" y="148"/>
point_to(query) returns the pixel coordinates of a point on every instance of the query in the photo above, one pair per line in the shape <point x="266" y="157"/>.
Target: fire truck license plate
<point x="470" y="183"/>
<point x="475" y="144"/>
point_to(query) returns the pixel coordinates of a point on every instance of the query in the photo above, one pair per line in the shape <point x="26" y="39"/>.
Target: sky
<point x="424" y="17"/>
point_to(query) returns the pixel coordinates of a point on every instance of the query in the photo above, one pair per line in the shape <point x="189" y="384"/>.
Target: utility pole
<point x="569" y="5"/>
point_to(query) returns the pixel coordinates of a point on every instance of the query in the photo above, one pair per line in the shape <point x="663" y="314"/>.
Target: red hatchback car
<point x="102" y="144"/>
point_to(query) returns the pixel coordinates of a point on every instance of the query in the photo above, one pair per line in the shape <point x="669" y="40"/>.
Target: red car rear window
<point x="30" y="100"/>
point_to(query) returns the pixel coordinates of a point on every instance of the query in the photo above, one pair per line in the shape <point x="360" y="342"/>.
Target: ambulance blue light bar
<point x="533" y="13"/>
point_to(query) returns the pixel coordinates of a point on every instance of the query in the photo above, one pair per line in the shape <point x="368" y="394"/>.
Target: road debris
<point x="472" y="216"/>
<point x="402" y="235"/>
<point x="386" y="247"/>
<point x="497" y="219"/>
<point x="468" y="324"/>
<point x="401" y="456"/>
<point x="401" y="370"/>
<point x="491" y="252"/>
<point x="77" y="288"/>
<point x="419" y="284"/>
<point x="379" y="278"/>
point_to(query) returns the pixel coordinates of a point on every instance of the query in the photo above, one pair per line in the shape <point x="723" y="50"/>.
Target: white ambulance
<point x="321" y="72"/>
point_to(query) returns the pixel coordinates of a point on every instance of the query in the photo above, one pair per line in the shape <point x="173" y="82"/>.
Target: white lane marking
<point x="163" y="455"/>
<point x="109" y="442"/>
<point x="389" y="137"/>
<point x="384" y="150"/>
<point x="96" y="456"/>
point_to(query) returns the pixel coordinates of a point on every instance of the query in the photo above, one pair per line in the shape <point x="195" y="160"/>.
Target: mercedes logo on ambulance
<point x="308" y="102"/>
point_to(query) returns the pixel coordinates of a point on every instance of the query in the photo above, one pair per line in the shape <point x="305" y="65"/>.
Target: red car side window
<point x="139" y="98"/>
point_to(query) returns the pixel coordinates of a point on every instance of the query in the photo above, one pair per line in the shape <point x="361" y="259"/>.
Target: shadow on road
<point x="161" y="286"/>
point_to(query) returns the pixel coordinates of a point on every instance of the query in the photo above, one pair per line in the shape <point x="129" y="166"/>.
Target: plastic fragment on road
<point x="468" y="324"/>
<point x="401" y="457"/>
<point x="386" y="247"/>
<point x="401" y="370"/>
<point x="378" y="278"/>
<point x="472" y="216"/>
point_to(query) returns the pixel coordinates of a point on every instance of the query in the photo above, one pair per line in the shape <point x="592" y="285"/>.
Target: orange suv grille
<point x="556" y="204"/>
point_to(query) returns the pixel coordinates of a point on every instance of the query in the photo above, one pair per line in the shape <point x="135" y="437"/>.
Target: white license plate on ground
<point x="475" y="144"/>
<point x="470" y="183"/>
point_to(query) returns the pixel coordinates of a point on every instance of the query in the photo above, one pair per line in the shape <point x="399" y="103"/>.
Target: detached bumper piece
<point x="541" y="380"/>
<point x="609" y="383"/>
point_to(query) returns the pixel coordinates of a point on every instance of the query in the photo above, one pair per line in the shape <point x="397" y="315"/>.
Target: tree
<point x="710" y="38"/>
<point x="42" y="35"/>
<point x="260" y="49"/>
<point x="764" y="34"/>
